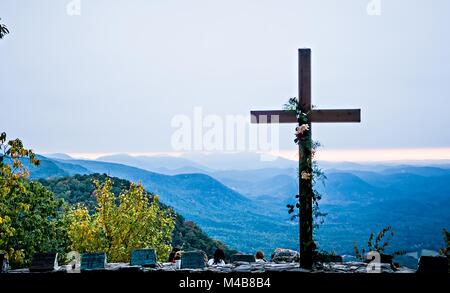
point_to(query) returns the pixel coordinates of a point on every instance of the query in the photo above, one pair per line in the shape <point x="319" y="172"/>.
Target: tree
<point x="37" y="218"/>
<point x="30" y="216"/>
<point x="133" y="221"/>
<point x="3" y="30"/>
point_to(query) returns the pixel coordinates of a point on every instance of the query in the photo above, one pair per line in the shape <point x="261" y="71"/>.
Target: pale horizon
<point x="329" y="155"/>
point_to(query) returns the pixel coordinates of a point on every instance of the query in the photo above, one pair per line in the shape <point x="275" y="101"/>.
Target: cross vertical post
<point x="305" y="186"/>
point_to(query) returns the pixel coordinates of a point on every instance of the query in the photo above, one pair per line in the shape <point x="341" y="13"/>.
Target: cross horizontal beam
<point x="318" y="116"/>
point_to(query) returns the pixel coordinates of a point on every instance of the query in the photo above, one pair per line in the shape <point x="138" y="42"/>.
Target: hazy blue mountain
<point x="238" y="161"/>
<point x="71" y="169"/>
<point x="47" y="168"/>
<point x="152" y="163"/>
<point x="203" y="162"/>
<point x="358" y="202"/>
<point x="247" y="208"/>
<point x="59" y="156"/>
<point x="279" y="187"/>
<point x="417" y="170"/>
<point x="184" y="170"/>
<point x="253" y="175"/>
<point x="348" y="166"/>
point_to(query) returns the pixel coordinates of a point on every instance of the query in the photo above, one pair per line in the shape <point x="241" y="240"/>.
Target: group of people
<point x="217" y="260"/>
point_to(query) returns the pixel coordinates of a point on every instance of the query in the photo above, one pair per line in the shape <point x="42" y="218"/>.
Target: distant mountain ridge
<point x="205" y="162"/>
<point x="152" y="163"/>
<point x="58" y="156"/>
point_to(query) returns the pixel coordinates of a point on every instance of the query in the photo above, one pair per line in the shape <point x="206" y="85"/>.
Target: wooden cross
<point x="314" y="115"/>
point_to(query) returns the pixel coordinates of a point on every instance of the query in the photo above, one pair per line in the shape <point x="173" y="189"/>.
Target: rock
<point x="403" y="270"/>
<point x="196" y="259"/>
<point x="19" y="271"/>
<point x="281" y="267"/>
<point x="4" y="264"/>
<point x="123" y="267"/>
<point x="285" y="255"/>
<point x="243" y="268"/>
<point x="44" y="262"/>
<point x="433" y="264"/>
<point x="352" y="267"/>
<point x="246" y="267"/>
<point x="243" y="257"/>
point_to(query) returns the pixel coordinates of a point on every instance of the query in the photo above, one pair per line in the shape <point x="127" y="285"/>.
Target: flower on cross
<point x="306" y="176"/>
<point x="300" y="131"/>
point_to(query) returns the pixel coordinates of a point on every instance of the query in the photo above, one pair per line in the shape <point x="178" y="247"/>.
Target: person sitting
<point x="259" y="256"/>
<point x="173" y="254"/>
<point x="218" y="259"/>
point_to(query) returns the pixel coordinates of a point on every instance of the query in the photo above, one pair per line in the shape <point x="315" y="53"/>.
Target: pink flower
<point x="301" y="129"/>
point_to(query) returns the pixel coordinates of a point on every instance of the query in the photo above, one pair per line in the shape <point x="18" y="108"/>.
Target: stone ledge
<point x="243" y="267"/>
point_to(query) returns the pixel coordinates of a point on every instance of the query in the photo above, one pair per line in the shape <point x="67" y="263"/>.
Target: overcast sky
<point x="112" y="78"/>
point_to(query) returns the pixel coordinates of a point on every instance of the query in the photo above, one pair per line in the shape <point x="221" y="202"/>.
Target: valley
<point x="246" y="209"/>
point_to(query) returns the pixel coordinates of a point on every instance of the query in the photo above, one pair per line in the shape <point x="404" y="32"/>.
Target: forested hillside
<point x="79" y="189"/>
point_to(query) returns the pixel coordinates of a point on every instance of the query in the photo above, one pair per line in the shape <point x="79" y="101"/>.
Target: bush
<point x="382" y="241"/>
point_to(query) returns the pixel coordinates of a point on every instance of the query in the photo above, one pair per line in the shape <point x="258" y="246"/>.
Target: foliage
<point x="382" y="241"/>
<point x="446" y="251"/>
<point x="291" y="105"/>
<point x="80" y="188"/>
<point x="136" y="221"/>
<point x="308" y="167"/>
<point x="325" y="256"/>
<point x="187" y="235"/>
<point x="39" y="227"/>
<point x="11" y="174"/>
<point x="3" y="30"/>
<point x="30" y="217"/>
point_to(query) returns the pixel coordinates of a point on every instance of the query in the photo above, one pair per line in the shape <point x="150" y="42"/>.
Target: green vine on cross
<point x="311" y="170"/>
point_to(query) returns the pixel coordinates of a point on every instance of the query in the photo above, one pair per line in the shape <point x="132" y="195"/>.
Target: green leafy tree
<point x="30" y="217"/>
<point x="3" y="30"/>
<point x="135" y="221"/>
<point x="38" y="221"/>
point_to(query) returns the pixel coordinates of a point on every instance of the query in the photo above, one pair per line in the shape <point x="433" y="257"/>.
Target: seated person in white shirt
<point x="259" y="256"/>
<point x="218" y="259"/>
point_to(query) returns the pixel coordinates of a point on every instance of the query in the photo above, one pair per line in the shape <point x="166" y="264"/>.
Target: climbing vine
<point x="308" y="168"/>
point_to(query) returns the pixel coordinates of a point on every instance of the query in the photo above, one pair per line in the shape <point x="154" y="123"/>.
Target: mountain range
<point x="246" y="208"/>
